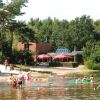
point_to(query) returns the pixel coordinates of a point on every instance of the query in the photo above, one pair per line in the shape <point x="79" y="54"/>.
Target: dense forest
<point x="62" y="33"/>
<point x="81" y="33"/>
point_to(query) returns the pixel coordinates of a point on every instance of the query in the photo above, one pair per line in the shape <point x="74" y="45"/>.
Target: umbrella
<point x="60" y="56"/>
<point x="43" y="56"/>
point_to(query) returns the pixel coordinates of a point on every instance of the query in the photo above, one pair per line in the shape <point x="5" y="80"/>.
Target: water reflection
<point x="52" y="88"/>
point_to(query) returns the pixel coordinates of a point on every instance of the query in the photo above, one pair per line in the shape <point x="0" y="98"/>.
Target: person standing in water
<point x="20" y="80"/>
<point x="13" y="81"/>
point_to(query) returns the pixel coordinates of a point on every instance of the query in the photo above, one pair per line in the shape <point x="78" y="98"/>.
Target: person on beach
<point x="11" y="76"/>
<point x="6" y="63"/>
<point x="11" y="67"/>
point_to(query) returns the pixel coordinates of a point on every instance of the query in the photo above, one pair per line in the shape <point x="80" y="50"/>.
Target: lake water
<point x="53" y="87"/>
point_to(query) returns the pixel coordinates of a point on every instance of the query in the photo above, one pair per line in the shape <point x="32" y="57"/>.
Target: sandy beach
<point x="43" y="71"/>
<point x="63" y="70"/>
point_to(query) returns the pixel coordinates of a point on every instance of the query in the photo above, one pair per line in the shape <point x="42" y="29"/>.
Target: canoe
<point x="80" y="81"/>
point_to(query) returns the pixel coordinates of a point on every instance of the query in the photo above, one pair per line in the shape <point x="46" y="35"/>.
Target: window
<point x="26" y="46"/>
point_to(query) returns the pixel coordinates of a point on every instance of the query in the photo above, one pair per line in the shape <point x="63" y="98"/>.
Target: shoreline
<point x="64" y="70"/>
<point x="38" y="73"/>
<point x="56" y="70"/>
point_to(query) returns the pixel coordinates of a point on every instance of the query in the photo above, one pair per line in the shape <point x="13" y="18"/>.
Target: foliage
<point x="63" y="33"/>
<point x="81" y="30"/>
<point x="9" y="12"/>
<point x="26" y="56"/>
<point x="17" y="56"/>
<point x="66" y="64"/>
<point x="14" y="8"/>
<point x="22" y="57"/>
<point x="1" y="57"/>
<point x="26" y="33"/>
<point x="6" y="48"/>
<point x="92" y="55"/>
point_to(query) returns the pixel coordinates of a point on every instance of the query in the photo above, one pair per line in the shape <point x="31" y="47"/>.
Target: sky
<point x="61" y="9"/>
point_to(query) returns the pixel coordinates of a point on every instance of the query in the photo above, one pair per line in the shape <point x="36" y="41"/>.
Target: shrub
<point x="92" y="55"/>
<point x="65" y="64"/>
<point x="54" y="64"/>
<point x="89" y="64"/>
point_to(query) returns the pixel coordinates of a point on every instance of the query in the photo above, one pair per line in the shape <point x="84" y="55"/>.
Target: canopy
<point x="43" y="56"/>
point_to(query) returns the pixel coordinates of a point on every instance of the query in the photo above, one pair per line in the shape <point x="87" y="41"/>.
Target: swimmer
<point x="13" y="81"/>
<point x="20" y="80"/>
<point x="91" y="77"/>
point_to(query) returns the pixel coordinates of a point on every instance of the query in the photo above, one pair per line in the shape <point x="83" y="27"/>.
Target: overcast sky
<point x="61" y="9"/>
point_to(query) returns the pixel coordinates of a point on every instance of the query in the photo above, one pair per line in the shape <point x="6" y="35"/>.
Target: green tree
<point x="92" y="55"/>
<point x="35" y="25"/>
<point x="97" y="29"/>
<point x="46" y="30"/>
<point x="81" y="30"/>
<point x="26" y="34"/>
<point x="21" y="31"/>
<point x="8" y="13"/>
<point x="59" y="35"/>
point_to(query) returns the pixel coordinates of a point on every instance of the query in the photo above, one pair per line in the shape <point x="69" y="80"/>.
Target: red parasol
<point x="43" y="56"/>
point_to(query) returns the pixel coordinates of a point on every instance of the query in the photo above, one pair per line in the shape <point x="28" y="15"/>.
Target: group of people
<point x="85" y="79"/>
<point x="19" y="80"/>
<point x="16" y="81"/>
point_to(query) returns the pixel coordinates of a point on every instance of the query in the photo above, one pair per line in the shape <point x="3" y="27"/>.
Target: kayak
<point x="80" y="81"/>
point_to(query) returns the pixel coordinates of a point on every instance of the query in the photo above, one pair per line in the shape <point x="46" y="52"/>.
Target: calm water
<point x="53" y="88"/>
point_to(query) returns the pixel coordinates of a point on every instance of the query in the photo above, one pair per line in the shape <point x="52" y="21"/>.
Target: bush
<point x="54" y="64"/>
<point x="65" y="64"/>
<point x="96" y="66"/>
<point x="89" y="64"/>
<point x="92" y="55"/>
